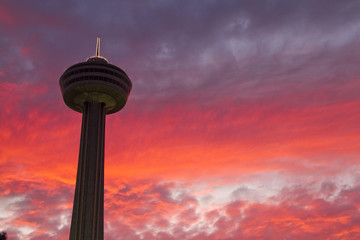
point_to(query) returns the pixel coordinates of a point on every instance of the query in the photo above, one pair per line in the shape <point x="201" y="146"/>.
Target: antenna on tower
<point x="97" y="57"/>
<point x="97" y="46"/>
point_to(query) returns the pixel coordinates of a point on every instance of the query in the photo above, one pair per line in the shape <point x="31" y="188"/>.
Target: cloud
<point x="243" y="100"/>
<point x="156" y="210"/>
<point x="295" y="213"/>
<point x="37" y="208"/>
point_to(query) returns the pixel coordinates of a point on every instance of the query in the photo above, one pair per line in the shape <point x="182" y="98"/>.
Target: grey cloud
<point x="241" y="49"/>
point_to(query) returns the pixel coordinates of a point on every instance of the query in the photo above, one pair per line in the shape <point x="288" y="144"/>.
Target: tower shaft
<point x="94" y="88"/>
<point x="88" y="212"/>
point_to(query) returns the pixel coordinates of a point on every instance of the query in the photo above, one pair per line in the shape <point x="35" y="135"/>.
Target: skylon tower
<point x="94" y="88"/>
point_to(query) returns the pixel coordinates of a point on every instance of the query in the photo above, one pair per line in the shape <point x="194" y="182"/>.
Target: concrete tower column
<point x="88" y="210"/>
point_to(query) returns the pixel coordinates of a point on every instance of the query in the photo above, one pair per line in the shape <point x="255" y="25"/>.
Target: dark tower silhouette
<point x="94" y="88"/>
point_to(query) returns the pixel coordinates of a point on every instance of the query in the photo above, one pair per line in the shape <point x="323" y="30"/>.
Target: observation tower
<point x="94" y="88"/>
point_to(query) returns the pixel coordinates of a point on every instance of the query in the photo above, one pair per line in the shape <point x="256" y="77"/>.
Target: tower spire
<point x="97" y="57"/>
<point x="97" y="46"/>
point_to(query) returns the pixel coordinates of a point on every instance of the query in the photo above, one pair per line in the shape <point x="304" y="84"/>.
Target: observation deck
<point x="95" y="81"/>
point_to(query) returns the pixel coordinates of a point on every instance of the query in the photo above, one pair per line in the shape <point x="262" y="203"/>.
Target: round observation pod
<point x="95" y="81"/>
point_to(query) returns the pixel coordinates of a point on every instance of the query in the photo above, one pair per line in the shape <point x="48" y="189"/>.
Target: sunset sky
<point x="243" y="121"/>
